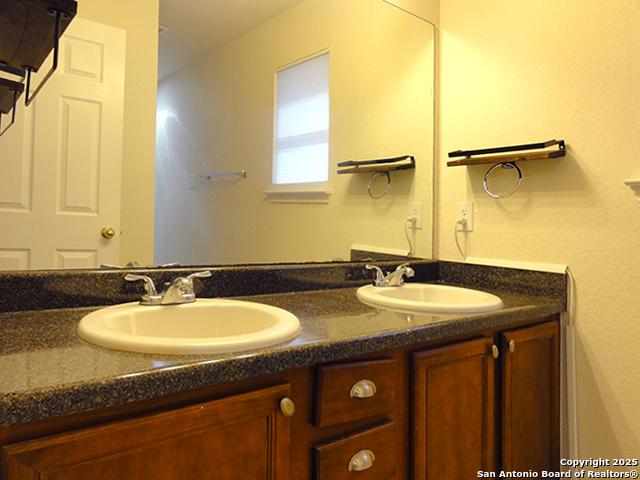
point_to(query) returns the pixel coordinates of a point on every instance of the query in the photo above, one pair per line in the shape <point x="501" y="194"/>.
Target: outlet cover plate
<point x="465" y="210"/>
<point x="416" y="211"/>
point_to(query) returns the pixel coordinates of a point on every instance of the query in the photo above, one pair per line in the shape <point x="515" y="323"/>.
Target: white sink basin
<point x="206" y="326"/>
<point x="429" y="298"/>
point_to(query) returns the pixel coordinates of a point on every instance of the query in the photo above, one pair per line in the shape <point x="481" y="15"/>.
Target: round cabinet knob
<point x="363" y="460"/>
<point x="287" y="407"/>
<point x="495" y="352"/>
<point x="108" y="232"/>
<point x="512" y="346"/>
<point x="363" y="389"/>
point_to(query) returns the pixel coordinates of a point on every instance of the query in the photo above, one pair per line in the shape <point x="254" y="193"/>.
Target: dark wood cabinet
<point x="240" y="437"/>
<point x="453" y="411"/>
<point x="531" y="398"/>
<point x="442" y="412"/>
<point x="458" y="428"/>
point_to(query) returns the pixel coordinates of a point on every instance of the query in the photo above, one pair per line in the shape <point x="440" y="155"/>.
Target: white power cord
<point x="463" y="223"/>
<point x="409" y="220"/>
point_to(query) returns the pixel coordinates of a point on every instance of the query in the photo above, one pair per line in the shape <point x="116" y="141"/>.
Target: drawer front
<point x="368" y="455"/>
<point x="353" y="391"/>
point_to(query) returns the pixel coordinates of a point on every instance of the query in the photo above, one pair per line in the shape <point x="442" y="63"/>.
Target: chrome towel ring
<point x="506" y="165"/>
<point x="386" y="188"/>
<point x="524" y="152"/>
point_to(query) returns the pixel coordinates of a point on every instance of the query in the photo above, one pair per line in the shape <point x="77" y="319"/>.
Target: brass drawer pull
<point x="363" y="389"/>
<point x="363" y="460"/>
<point x="512" y="346"/>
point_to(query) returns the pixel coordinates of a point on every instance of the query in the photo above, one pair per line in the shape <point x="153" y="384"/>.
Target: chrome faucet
<point x="178" y="291"/>
<point x="391" y="279"/>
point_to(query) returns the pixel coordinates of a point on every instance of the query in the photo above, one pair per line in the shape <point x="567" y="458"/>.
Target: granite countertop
<point x="46" y="370"/>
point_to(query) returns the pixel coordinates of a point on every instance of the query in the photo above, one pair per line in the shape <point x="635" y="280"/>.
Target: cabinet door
<point x="240" y="437"/>
<point x="531" y="398"/>
<point x="453" y="411"/>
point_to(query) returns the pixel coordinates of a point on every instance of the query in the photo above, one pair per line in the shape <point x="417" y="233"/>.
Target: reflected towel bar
<point x="211" y="176"/>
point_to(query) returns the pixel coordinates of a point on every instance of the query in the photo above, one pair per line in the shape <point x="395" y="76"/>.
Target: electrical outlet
<point x="465" y="212"/>
<point x="416" y="212"/>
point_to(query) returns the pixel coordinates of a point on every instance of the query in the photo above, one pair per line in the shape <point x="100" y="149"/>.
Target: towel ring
<point x="485" y="181"/>
<point x="386" y="188"/>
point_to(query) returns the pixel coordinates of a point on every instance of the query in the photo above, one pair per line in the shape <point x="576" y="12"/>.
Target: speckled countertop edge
<point x="28" y="406"/>
<point x="328" y="291"/>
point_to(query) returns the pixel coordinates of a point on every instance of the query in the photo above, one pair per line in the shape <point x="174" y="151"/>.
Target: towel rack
<point x="487" y="156"/>
<point x="211" y="176"/>
<point x="33" y="30"/>
<point x="378" y="167"/>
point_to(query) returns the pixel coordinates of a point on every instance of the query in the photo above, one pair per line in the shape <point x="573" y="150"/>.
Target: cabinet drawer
<point x="353" y="391"/>
<point x="368" y="455"/>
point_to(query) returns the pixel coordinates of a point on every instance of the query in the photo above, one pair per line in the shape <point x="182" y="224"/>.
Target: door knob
<point x="495" y="352"/>
<point x="287" y="407"/>
<point x="108" y="232"/>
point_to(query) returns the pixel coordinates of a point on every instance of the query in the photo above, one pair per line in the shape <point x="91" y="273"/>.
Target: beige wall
<point x="219" y="117"/>
<point x="425" y="9"/>
<point x="516" y="71"/>
<point x="140" y="20"/>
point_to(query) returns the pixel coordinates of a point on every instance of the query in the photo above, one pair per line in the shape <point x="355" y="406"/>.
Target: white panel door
<point x="60" y="165"/>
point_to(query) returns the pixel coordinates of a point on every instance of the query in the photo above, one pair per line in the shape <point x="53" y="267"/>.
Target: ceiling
<point x="197" y="26"/>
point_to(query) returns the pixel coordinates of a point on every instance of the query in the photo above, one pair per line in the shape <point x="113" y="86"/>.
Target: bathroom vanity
<point x="361" y="393"/>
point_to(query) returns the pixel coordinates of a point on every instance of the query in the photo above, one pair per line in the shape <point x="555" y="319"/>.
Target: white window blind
<point x="302" y="123"/>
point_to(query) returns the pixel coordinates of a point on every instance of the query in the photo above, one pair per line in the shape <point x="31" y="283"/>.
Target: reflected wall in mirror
<point x="225" y="112"/>
<point x="227" y="101"/>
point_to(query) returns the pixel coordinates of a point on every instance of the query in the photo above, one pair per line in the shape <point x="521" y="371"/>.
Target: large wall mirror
<point x="257" y="104"/>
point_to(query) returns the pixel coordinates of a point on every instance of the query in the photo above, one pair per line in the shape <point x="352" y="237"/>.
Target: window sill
<point x="298" y="196"/>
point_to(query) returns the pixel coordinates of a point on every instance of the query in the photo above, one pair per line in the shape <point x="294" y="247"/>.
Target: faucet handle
<point x="151" y="297"/>
<point x="406" y="269"/>
<point x="149" y="286"/>
<point x="181" y="289"/>
<point x="203" y="274"/>
<point x="380" y="277"/>
<point x="187" y="282"/>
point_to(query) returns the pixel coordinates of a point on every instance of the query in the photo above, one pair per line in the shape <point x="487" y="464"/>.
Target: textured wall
<point x="140" y="20"/>
<point x="515" y="71"/>
<point x="218" y="116"/>
<point x="425" y="9"/>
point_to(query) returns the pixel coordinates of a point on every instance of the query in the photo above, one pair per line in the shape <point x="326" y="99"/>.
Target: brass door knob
<point x="108" y="232"/>
<point x="512" y="346"/>
<point x="287" y="407"/>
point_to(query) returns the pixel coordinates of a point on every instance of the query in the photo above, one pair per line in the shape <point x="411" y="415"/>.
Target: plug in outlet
<point x="416" y="212"/>
<point x="465" y="212"/>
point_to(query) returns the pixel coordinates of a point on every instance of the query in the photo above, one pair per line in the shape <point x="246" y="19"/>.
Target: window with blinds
<point x="301" y="153"/>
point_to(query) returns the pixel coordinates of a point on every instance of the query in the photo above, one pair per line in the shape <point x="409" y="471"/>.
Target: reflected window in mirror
<point x="301" y="137"/>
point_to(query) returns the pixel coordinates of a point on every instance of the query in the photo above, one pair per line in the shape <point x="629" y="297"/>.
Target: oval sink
<point x="429" y="298"/>
<point x="206" y="326"/>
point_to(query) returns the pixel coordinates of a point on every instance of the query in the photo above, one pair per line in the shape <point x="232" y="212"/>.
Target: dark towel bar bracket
<point x="62" y="13"/>
<point x="378" y="167"/>
<point x="488" y="156"/>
